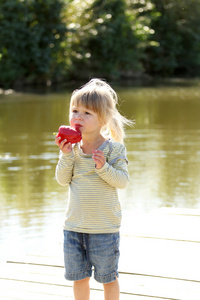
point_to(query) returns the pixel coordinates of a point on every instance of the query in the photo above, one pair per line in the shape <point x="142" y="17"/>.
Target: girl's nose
<point x="78" y="116"/>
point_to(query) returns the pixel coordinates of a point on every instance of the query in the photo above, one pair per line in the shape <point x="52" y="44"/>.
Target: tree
<point x="103" y="41"/>
<point x="177" y="36"/>
<point x="30" y="40"/>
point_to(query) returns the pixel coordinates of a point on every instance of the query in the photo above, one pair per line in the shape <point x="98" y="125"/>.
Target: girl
<point x="94" y="169"/>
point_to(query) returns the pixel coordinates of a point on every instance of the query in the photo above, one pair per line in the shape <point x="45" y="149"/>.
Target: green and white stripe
<point x="93" y="204"/>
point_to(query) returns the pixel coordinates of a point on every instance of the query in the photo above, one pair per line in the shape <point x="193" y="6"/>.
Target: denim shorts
<point x="83" y="252"/>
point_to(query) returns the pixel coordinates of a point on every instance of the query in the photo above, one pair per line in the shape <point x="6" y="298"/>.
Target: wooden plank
<point x="159" y="260"/>
<point x="20" y="290"/>
<point x="160" y="287"/>
<point x="131" y="284"/>
<point x="149" y="245"/>
<point x="30" y="291"/>
<point x="160" y="257"/>
<point x="167" y="258"/>
<point x="163" y="224"/>
<point x="152" y="257"/>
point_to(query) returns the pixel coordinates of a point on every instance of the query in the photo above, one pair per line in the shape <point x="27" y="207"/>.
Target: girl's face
<point x="87" y="119"/>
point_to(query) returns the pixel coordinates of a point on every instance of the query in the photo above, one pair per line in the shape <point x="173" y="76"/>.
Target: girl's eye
<point x="74" y="111"/>
<point x="87" y="113"/>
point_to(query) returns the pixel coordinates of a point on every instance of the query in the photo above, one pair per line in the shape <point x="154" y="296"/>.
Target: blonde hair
<point x="98" y="96"/>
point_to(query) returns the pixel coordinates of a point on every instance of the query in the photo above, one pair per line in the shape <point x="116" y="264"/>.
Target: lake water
<point x="163" y="150"/>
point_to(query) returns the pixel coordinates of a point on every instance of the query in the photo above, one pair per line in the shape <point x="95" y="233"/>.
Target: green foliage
<point x="177" y="35"/>
<point x="104" y="43"/>
<point x="49" y="41"/>
<point x="31" y="34"/>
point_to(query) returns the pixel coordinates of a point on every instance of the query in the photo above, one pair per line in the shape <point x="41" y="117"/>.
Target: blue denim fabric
<point x="84" y="251"/>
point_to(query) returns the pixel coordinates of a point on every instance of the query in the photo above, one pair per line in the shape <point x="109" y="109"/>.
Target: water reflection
<point x="163" y="150"/>
<point x="165" y="169"/>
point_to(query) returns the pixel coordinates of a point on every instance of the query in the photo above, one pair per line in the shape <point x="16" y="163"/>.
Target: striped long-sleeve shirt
<point x="93" y="204"/>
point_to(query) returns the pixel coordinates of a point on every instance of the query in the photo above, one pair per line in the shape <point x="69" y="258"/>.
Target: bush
<point x="31" y="35"/>
<point x="103" y="42"/>
<point x="51" y="40"/>
<point x="177" y="37"/>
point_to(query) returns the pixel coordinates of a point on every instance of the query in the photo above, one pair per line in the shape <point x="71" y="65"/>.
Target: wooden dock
<point x="160" y="259"/>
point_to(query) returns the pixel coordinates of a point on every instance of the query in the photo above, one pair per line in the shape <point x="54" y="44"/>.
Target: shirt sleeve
<point x="115" y="170"/>
<point x="64" y="168"/>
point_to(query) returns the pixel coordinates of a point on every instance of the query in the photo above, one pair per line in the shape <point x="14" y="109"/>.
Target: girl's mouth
<point x="78" y="126"/>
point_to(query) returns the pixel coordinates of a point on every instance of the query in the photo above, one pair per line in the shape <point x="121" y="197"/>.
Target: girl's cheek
<point x="71" y="120"/>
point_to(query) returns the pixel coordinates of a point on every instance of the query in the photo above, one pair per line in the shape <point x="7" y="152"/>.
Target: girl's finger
<point x="57" y="141"/>
<point x="97" y="157"/>
<point x="98" y="153"/>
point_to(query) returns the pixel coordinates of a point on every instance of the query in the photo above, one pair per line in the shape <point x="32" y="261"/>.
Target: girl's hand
<point x="64" y="146"/>
<point x="99" y="158"/>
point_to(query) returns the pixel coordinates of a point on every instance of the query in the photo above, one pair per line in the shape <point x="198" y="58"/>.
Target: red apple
<point x="70" y="134"/>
